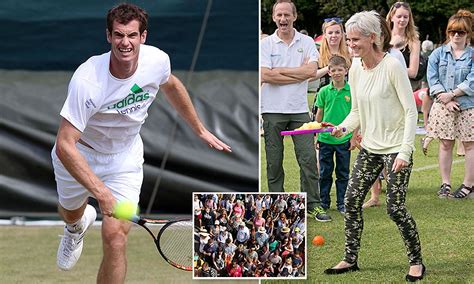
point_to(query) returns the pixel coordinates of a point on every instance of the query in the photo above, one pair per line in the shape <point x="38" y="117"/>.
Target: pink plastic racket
<point x="306" y="131"/>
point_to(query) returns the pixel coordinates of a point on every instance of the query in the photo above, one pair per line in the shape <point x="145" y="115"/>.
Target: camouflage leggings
<point x="364" y="173"/>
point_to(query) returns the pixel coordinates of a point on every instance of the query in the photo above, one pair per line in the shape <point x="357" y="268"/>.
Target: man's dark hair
<point x="124" y="14"/>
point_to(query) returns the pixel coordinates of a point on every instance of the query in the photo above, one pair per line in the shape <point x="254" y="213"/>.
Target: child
<point x="334" y="104"/>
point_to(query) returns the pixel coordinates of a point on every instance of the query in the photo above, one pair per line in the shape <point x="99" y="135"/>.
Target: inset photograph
<point x="249" y="235"/>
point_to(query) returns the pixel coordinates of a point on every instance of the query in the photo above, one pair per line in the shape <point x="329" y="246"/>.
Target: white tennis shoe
<point x="70" y="247"/>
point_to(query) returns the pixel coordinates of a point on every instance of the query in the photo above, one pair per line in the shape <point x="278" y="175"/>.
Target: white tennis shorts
<point x="122" y="173"/>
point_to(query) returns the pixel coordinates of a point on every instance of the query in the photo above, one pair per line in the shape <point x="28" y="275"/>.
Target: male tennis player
<point x="98" y="150"/>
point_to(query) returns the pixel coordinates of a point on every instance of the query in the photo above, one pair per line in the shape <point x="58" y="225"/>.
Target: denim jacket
<point x="446" y="74"/>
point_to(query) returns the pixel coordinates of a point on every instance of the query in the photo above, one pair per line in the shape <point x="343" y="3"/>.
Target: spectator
<point x="197" y="205"/>
<point x="405" y="37"/>
<point x="238" y="208"/>
<point x="208" y="218"/>
<point x="208" y="271"/>
<point x="243" y="234"/>
<point x="450" y="78"/>
<point x="275" y="259"/>
<point x="264" y="254"/>
<point x="333" y="43"/>
<point x="284" y="102"/>
<point x="223" y="220"/>
<point x="259" y="221"/>
<point x="219" y="261"/>
<point x="286" y="247"/>
<point x="334" y="104"/>
<point x="262" y="237"/>
<point x="287" y="267"/>
<point x="229" y="251"/>
<point x="209" y="249"/>
<point x="273" y="243"/>
<point x="235" y="270"/>
<point x="224" y="235"/>
<point x="203" y="240"/>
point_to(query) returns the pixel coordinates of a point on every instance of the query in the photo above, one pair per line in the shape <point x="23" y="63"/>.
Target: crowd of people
<point x="249" y="235"/>
<point x="373" y="66"/>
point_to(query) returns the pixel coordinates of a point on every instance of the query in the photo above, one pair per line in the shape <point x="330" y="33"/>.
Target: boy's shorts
<point x="122" y="173"/>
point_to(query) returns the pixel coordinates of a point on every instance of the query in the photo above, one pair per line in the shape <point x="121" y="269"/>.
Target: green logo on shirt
<point x="134" y="97"/>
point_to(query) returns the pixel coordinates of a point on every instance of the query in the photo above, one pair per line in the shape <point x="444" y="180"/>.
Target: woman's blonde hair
<point x="462" y="20"/>
<point x="325" y="52"/>
<point x="411" y="31"/>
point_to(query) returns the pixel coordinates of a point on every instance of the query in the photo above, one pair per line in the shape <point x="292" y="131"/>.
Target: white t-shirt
<point x="274" y="52"/>
<point x="110" y="111"/>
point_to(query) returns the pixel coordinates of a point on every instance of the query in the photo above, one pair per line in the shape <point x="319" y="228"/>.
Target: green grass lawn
<point x="446" y="229"/>
<point x="28" y="255"/>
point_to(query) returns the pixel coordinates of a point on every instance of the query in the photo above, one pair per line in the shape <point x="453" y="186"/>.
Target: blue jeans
<point x="326" y="164"/>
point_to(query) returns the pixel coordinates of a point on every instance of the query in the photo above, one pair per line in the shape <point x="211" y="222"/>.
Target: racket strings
<point x="176" y="243"/>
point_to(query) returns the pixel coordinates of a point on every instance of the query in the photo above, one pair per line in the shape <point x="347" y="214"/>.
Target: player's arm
<point x="178" y="97"/>
<point x="302" y="73"/>
<point x="77" y="166"/>
<point x="273" y="76"/>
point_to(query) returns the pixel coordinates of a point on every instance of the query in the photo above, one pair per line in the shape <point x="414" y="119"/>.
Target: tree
<point x="431" y="16"/>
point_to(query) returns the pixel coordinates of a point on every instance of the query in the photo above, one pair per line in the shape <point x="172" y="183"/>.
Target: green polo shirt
<point x="336" y="105"/>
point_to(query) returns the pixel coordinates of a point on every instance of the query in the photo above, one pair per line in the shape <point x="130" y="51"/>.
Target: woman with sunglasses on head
<point x="334" y="43"/>
<point x="405" y="37"/>
<point x="379" y="86"/>
<point x="451" y="78"/>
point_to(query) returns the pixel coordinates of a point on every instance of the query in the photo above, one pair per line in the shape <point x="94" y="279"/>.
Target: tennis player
<point x="98" y="151"/>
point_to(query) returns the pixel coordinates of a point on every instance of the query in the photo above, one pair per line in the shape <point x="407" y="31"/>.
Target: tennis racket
<point x="174" y="240"/>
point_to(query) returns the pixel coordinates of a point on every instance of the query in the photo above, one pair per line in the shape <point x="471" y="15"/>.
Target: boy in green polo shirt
<point x="334" y="104"/>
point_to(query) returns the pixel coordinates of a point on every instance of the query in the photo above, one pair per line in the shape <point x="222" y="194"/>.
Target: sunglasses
<point x="400" y="4"/>
<point x="335" y="19"/>
<point x="460" y="33"/>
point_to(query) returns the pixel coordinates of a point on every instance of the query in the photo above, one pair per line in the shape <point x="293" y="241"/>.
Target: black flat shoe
<point x="342" y="270"/>
<point x="411" y="278"/>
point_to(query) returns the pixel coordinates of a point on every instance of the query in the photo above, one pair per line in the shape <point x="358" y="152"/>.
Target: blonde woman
<point x="405" y="37"/>
<point x="334" y="43"/>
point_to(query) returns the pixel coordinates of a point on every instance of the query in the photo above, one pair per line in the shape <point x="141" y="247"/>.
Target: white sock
<point x="75" y="227"/>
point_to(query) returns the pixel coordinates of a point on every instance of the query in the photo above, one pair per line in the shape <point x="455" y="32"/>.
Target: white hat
<point x="285" y="230"/>
<point x="261" y="230"/>
<point x="223" y="228"/>
<point x="216" y="222"/>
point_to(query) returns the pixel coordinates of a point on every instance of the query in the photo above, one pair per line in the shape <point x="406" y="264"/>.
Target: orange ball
<point x="318" y="240"/>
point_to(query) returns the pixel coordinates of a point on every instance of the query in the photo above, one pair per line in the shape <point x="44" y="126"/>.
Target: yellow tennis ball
<point x="125" y="210"/>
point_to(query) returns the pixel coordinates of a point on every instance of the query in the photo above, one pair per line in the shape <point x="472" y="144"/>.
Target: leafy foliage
<point x="431" y="16"/>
